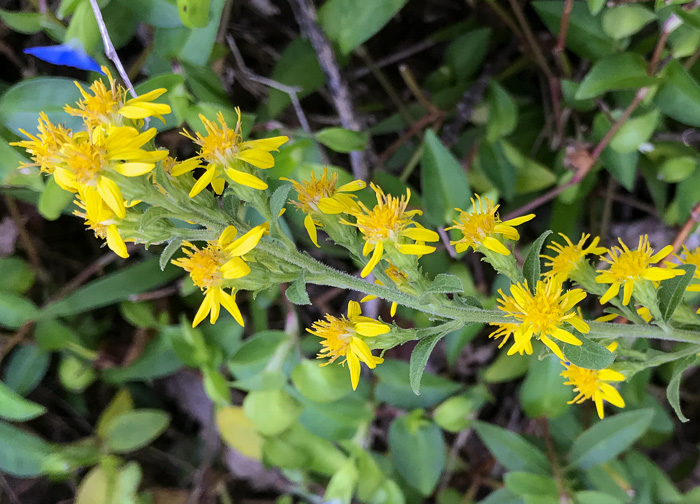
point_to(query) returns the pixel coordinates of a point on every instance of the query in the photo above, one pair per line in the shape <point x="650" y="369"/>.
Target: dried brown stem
<point x="564" y="26"/>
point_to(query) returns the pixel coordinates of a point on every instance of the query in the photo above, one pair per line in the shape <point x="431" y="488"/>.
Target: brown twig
<point x="446" y="241"/>
<point x="415" y="89"/>
<point x="390" y="60"/>
<point x="682" y="235"/>
<point x="305" y="14"/>
<point x="415" y="129"/>
<point x="563" y="26"/>
<point x="25" y="239"/>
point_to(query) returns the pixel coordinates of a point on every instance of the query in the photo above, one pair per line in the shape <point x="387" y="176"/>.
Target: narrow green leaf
<point x="679" y="96"/>
<point x="529" y="484"/>
<point x="609" y="437"/>
<point x="279" y="199"/>
<point x="624" y="21"/>
<point x="419" y="358"/>
<point x="168" y="252"/>
<point x="532" y="266"/>
<point x="17" y="276"/>
<point x="134" y="429"/>
<point x="15" y="311"/>
<point x="157" y="360"/>
<point x="342" y="140"/>
<point x="621" y="71"/>
<point x="670" y="291"/>
<point x="26" y="23"/>
<point x="26" y="368"/>
<point x="15" y="407"/>
<point x="296" y="291"/>
<point x="588" y="355"/>
<point x="512" y="450"/>
<point x="497" y="167"/>
<point x="21" y="453"/>
<point x="503" y="113"/>
<point x="444" y="183"/>
<point x="466" y="53"/>
<point x="444" y="283"/>
<point x="673" y="388"/>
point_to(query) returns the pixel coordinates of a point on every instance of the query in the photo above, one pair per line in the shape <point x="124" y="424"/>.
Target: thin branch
<point x="415" y="89"/>
<point x="564" y="26"/>
<point x="394" y="58"/>
<point x="110" y="51"/>
<point x="25" y="239"/>
<point x="305" y="14"/>
<point x="686" y="229"/>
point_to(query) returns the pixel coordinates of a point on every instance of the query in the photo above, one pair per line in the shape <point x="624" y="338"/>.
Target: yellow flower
<point x="101" y="219"/>
<point x="212" y="266"/>
<point x="45" y="147"/>
<point x="388" y="224"/>
<point x="222" y="148"/>
<point x="400" y="279"/>
<point x="321" y="196"/>
<point x="108" y="106"/>
<point x="343" y="337"/>
<point x="594" y="384"/>
<point x="694" y="259"/>
<point x="569" y="257"/>
<point x="88" y="159"/>
<point x="542" y="315"/>
<point x="630" y="266"/>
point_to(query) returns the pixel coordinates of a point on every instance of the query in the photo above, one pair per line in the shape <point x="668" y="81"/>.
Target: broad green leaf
<point x="679" y="96"/>
<point x="609" y="437"/>
<point x="21" y="453"/>
<point x="626" y="20"/>
<point x="200" y="41"/>
<point x="158" y="13"/>
<point x="529" y="484"/>
<point x="120" y="403"/>
<point x="419" y="359"/>
<point x="255" y="353"/>
<point x="417" y="451"/>
<point x="107" y="484"/>
<point x="76" y="374"/>
<point x="342" y="140"/>
<point x="84" y="27"/>
<point x="15" y="407"/>
<point x="444" y="283"/>
<point x="594" y="497"/>
<point x="239" y="432"/>
<point x="337" y="420"/>
<point x="27" y="23"/>
<point x="394" y="387"/>
<point x="25" y="368"/>
<point x="67" y="458"/>
<point x="543" y="393"/>
<point x="321" y="384"/>
<point x="531" y="175"/>
<point x="512" y="450"/>
<point x="443" y="181"/>
<point x="53" y="200"/>
<point x="585" y="35"/>
<point x="677" y="169"/>
<point x="621" y="166"/>
<point x="135" y="429"/>
<point x="158" y="359"/>
<point x="635" y="132"/>
<point x="673" y="388"/>
<point x="670" y="292"/>
<point x="506" y="368"/>
<point x="497" y="168"/>
<point x="194" y="13"/>
<point x="296" y="291"/>
<point x="272" y="411"/>
<point x="532" y="265"/>
<point x="588" y="355"/>
<point x="455" y="414"/>
<point x="216" y="386"/>
<point x="595" y="6"/>
<point x="621" y="71"/>
<point x="465" y="54"/>
<point x="349" y="23"/>
<point x="502" y="496"/>
<point x="15" y="311"/>
<point x="503" y="113"/>
<point x="17" y="276"/>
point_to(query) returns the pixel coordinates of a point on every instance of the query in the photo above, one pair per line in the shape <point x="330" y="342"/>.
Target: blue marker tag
<point x="68" y="54"/>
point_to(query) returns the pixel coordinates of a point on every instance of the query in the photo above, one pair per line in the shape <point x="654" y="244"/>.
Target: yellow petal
<point x="362" y="351"/>
<point x="355" y="185"/>
<point x="371" y="329"/>
<point x="258" y="158"/>
<point x="204" y="308"/>
<point x="610" y="293"/>
<point x="203" y="181"/>
<point x="246" y="179"/>
<point x="115" y="242"/>
<point x="229" y="302"/>
<point x="311" y="229"/>
<point x="354" y="367"/>
<point x="111" y="195"/>
<point x="235" y="268"/>
<point x="414" y="249"/>
<point x="494" y="245"/>
<point x="421" y="234"/>
<point x="133" y="169"/>
<point x="247" y="242"/>
<point x="611" y="395"/>
<point x="268" y="144"/>
<point x="376" y="257"/>
<point x="354" y="310"/>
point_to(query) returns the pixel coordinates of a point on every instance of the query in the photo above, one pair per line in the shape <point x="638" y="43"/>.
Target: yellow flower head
<point x="630" y="266"/>
<point x="101" y="219"/>
<point x="212" y="266"/>
<point x="389" y="224"/>
<point x="87" y="160"/>
<point x="481" y="227"/>
<point x="108" y="106"/>
<point x="594" y="384"/>
<point x="694" y="259"/>
<point x="222" y="148"/>
<point x="343" y="337"/>
<point x="542" y="315"/>
<point x="569" y="257"/>
<point x="322" y="196"/>
<point x="400" y="279"/>
<point x="45" y="147"/>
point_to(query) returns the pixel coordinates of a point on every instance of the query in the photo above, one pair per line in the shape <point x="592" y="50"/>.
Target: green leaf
<point x="503" y="113"/>
<point x="417" y="451"/>
<point x="588" y="355"/>
<point x="512" y="450"/>
<point x="635" y="131"/>
<point x="336" y="420"/>
<point x="83" y="27"/>
<point x="543" y="393"/>
<point x="296" y="291"/>
<point x="456" y="413"/>
<point x="200" y="41"/>
<point x="419" y="359"/>
<point x="342" y="140"/>
<point x="677" y="169"/>
<point x="272" y="411"/>
<point x="594" y="497"/>
<point x="255" y="353"/>
<point x="679" y="96"/>
<point x="53" y="200"/>
<point x="584" y="36"/>
<point x="321" y="384"/>
<point x="673" y="388"/>
<point x="626" y="20"/>
<point x="15" y="407"/>
<point x="120" y="403"/>
<point x="502" y="496"/>
<point x="670" y="292"/>
<point x="157" y="360"/>
<point x="444" y="283"/>
<point x="168" y="252"/>
<point x="609" y="437"/>
<point x="26" y="367"/>
<point x="75" y="374"/>
<point x="621" y="71"/>
<point x="17" y="276"/>
<point x="394" y="387"/>
<point x="529" y="484"/>
<point x="621" y="166"/>
<point x="506" y="368"/>
<point x="27" y="23"/>
<point x="134" y="429"/>
<point x="497" y="168"/>
<point x="532" y="265"/>
<point x="595" y="6"/>
<point x="465" y="54"/>
<point x="21" y="453"/>
<point x="349" y="23"/>
<point x="194" y="13"/>
<point x="15" y="311"/>
<point x="279" y="199"/>
<point x="444" y="183"/>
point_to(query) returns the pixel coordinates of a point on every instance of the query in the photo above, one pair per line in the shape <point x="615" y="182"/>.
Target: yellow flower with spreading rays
<point x="109" y="106"/>
<point x="400" y="279"/>
<point x="88" y="159"/>
<point x="225" y="152"/>
<point x="570" y="257"/>
<point x="100" y="218"/>
<point x="482" y="227"/>
<point x="45" y="147"/>
<point x="628" y="267"/>
<point x="321" y="196"/>
<point x="389" y="224"/>
<point x="343" y="337"/>
<point x="542" y="314"/>
<point x="594" y="384"/>
<point x="214" y="265"/>
<point x="692" y="258"/>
